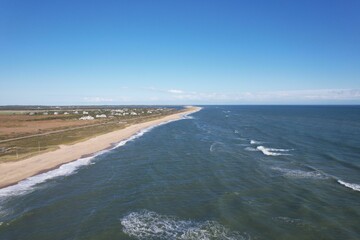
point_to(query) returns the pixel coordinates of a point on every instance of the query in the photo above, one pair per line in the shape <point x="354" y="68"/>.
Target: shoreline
<point x="14" y="172"/>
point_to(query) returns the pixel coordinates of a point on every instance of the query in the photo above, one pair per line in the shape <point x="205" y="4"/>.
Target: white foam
<point x="188" y="117"/>
<point x="216" y="146"/>
<point x="242" y="138"/>
<point x="29" y="184"/>
<point x="353" y="186"/>
<point x="255" y="142"/>
<point x="279" y="150"/>
<point x="295" y="173"/>
<point x="211" y="149"/>
<point x="251" y="149"/>
<point x="150" y="225"/>
<point x="273" y="151"/>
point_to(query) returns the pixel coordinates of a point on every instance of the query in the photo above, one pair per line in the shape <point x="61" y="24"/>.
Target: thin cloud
<point x="97" y="99"/>
<point x="176" y="91"/>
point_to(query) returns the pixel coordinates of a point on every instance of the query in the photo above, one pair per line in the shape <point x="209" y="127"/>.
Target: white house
<point x="101" y="116"/>
<point x="84" y="112"/>
<point x="86" y="118"/>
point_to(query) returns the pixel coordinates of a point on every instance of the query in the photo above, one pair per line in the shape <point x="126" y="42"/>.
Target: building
<point x="86" y="118"/>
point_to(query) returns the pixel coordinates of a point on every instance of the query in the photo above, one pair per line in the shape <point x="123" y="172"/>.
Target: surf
<point x="146" y="224"/>
<point x="273" y="151"/>
<point x="353" y="186"/>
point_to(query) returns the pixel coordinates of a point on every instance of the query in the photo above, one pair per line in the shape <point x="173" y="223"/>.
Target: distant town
<point x="84" y="113"/>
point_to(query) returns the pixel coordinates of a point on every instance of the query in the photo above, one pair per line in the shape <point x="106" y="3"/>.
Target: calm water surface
<point x="227" y="172"/>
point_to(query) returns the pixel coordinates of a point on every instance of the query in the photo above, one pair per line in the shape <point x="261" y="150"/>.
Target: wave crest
<point x="273" y="151"/>
<point x="353" y="186"/>
<point x="28" y="184"/>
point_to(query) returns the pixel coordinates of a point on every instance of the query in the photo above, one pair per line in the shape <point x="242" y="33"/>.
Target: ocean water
<point x="226" y="172"/>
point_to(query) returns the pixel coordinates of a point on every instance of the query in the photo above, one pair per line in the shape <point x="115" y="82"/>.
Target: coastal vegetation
<point x="30" y="131"/>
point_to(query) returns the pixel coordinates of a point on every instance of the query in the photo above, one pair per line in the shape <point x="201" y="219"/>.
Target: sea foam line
<point x="273" y="151"/>
<point x="151" y="225"/>
<point x="29" y="184"/>
<point x="251" y="149"/>
<point x="296" y="173"/>
<point x="353" y="186"/>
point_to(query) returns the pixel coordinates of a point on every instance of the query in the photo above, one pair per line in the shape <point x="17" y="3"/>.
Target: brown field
<point x="12" y="126"/>
<point x="23" y="136"/>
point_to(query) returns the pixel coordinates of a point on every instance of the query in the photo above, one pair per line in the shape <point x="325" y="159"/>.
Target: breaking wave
<point x="151" y="225"/>
<point x="255" y="142"/>
<point x="273" y="151"/>
<point x="28" y="184"/>
<point x="353" y="186"/>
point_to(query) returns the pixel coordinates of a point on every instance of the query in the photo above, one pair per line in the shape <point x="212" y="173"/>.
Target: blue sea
<point x="225" y="172"/>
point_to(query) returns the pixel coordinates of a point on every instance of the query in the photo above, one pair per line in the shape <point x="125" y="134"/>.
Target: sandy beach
<point x="13" y="172"/>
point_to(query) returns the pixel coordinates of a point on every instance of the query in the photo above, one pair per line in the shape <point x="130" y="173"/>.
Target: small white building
<point x="56" y="113"/>
<point x="86" y="118"/>
<point x="66" y="113"/>
<point x="101" y="116"/>
<point x="84" y="112"/>
<point x="133" y="113"/>
<point x="76" y="112"/>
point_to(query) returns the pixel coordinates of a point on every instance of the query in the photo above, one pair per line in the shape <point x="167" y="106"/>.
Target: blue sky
<point x="179" y="52"/>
